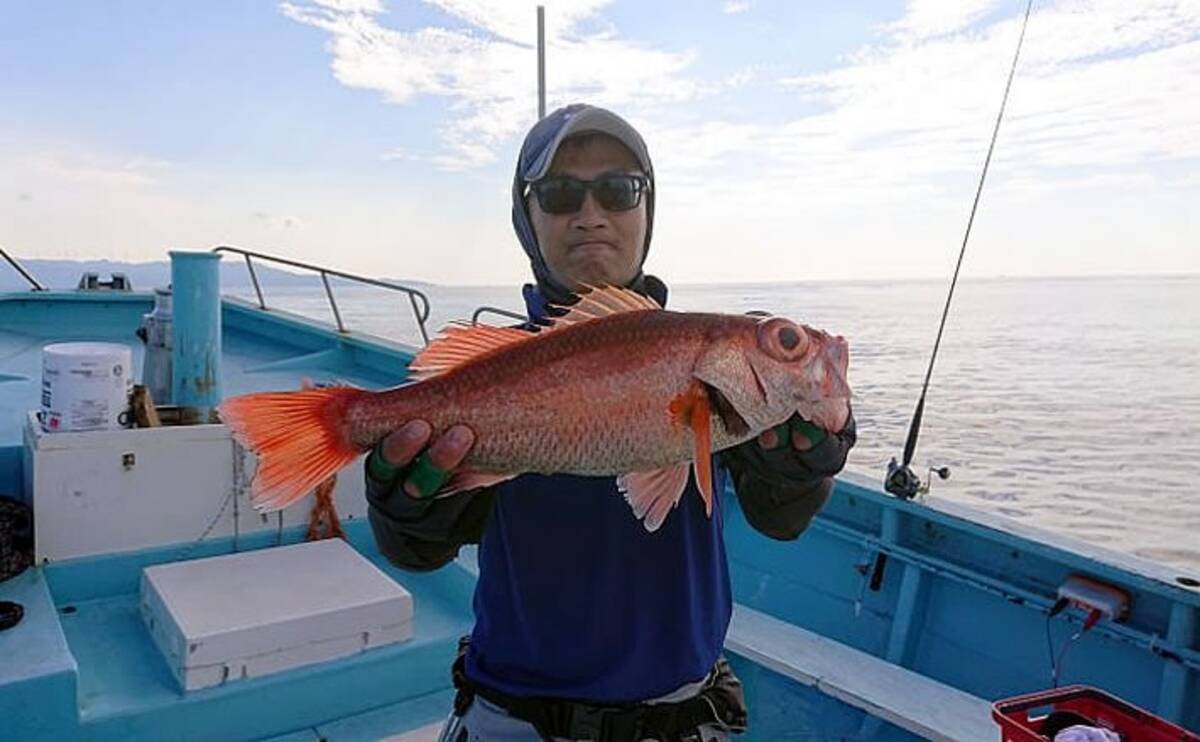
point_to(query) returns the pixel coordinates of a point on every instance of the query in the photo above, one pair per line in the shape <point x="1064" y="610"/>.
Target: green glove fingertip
<point x="425" y="477"/>
<point x="379" y="468"/>
<point x="813" y="433"/>
<point x="783" y="436"/>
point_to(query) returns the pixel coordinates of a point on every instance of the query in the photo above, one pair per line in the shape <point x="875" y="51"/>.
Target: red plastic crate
<point x="1096" y="706"/>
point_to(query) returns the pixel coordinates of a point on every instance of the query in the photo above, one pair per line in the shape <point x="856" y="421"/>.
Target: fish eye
<point x="781" y="339"/>
<point x="788" y="338"/>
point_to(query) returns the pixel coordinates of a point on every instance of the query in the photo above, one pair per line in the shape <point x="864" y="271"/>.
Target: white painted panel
<point x="89" y="497"/>
<point x="250" y="614"/>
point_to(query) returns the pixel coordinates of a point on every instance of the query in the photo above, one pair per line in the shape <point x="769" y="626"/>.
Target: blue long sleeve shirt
<point x="576" y="599"/>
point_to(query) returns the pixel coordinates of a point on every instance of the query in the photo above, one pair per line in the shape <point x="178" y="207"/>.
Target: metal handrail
<point x="420" y="302"/>
<point x="496" y="310"/>
<point x="21" y="269"/>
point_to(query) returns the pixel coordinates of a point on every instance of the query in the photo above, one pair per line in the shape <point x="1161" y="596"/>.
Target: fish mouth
<point x="829" y="413"/>
<point x="826" y="398"/>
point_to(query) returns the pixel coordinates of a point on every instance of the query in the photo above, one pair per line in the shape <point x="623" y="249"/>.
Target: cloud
<point x="482" y="62"/>
<point x="1101" y="85"/>
<point x="926" y="18"/>
<point x="733" y="7"/>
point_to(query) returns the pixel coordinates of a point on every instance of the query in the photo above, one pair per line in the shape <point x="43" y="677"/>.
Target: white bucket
<point x="85" y="386"/>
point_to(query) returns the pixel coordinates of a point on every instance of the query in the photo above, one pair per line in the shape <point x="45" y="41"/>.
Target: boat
<point x="888" y="619"/>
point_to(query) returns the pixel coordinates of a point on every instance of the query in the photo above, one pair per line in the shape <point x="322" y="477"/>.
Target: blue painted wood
<point x="12" y="471"/>
<point x="985" y="586"/>
<point x="910" y="607"/>
<point x="1180" y="692"/>
<point x="37" y="668"/>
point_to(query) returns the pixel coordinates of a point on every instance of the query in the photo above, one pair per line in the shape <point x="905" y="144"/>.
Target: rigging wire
<point x="33" y="282"/>
<point x="900" y="479"/>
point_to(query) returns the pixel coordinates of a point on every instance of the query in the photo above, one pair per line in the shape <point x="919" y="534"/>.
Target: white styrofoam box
<point x="106" y="491"/>
<point x="250" y="614"/>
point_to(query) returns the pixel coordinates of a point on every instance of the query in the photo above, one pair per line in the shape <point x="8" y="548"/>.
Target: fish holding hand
<point x="616" y="387"/>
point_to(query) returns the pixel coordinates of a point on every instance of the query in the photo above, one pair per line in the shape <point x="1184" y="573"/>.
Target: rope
<point x="323" y="519"/>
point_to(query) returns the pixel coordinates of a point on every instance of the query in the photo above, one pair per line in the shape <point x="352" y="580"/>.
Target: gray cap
<point x="544" y="139"/>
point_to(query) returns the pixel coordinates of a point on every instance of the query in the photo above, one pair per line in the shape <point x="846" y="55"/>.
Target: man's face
<point x="592" y="246"/>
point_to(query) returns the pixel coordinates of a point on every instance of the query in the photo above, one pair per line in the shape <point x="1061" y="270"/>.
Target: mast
<point x="541" y="61"/>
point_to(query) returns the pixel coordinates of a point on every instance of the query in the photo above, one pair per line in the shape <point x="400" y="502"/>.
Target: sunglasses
<point x="615" y="192"/>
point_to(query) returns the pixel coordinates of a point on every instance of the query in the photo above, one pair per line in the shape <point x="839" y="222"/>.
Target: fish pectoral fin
<point x="652" y="494"/>
<point x="462" y="480"/>
<point x="693" y="409"/>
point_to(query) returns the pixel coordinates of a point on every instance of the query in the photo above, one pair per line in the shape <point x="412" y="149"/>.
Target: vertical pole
<point x="254" y="279"/>
<point x="541" y="45"/>
<point x="1173" y="691"/>
<point x="196" y="353"/>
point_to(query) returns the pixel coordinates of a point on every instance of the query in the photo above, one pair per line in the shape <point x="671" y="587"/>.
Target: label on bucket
<point x="85" y="386"/>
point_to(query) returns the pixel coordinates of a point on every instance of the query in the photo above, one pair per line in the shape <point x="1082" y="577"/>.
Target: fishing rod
<point x="901" y="480"/>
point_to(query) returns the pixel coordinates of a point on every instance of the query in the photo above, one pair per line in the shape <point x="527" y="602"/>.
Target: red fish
<point x="616" y="387"/>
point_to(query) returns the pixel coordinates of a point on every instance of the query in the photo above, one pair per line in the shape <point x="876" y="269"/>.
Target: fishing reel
<point x="904" y="483"/>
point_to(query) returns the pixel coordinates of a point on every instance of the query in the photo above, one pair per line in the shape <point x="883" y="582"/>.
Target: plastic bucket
<point x="85" y="386"/>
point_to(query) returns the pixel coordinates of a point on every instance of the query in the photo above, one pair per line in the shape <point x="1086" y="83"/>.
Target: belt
<point x="721" y="703"/>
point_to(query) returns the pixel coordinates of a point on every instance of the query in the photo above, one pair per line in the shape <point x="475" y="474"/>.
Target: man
<point x="588" y="626"/>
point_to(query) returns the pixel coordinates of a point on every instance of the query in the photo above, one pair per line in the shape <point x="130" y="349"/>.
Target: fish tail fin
<point x="299" y="438"/>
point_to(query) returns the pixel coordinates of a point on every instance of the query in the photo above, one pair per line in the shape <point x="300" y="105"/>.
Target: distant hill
<point x="64" y="274"/>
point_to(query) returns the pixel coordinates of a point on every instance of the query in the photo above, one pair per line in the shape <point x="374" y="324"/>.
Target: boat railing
<point x="418" y="300"/>
<point x="33" y="282"/>
<point x="498" y="311"/>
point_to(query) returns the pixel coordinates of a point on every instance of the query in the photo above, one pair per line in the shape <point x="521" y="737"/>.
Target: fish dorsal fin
<point x="604" y="301"/>
<point x="459" y="343"/>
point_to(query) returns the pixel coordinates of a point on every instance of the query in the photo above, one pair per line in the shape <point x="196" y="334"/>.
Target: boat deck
<point x="831" y="641"/>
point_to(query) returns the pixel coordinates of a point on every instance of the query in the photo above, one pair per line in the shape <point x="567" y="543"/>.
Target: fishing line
<point x="901" y="481"/>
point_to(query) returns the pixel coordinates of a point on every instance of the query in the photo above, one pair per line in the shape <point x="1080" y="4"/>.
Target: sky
<point x="792" y="141"/>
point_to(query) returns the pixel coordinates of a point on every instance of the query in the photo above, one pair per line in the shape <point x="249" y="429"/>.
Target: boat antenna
<point x="541" y="61"/>
<point x="901" y="480"/>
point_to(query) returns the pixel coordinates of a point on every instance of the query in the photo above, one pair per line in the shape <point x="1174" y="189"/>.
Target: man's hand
<point x="432" y="468"/>
<point x="800" y="433"/>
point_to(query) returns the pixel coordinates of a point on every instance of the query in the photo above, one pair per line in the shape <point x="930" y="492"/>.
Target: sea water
<point x="1069" y="403"/>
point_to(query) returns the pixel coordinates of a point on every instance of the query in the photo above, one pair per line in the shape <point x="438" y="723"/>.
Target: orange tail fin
<point x="298" y="437"/>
